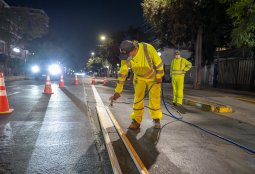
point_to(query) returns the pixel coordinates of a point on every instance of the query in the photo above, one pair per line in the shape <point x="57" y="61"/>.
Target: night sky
<point x="77" y="24"/>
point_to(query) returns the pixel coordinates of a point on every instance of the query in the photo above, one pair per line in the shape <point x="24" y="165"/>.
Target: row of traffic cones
<point x="48" y="89"/>
<point x="4" y="104"/>
<point x="93" y="82"/>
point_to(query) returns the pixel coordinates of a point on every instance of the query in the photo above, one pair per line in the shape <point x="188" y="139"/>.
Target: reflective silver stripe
<point x="3" y="93"/>
<point x="153" y="75"/>
<point x="146" y="74"/>
<point x="122" y="75"/>
<point x="154" y="109"/>
<point x="159" y="71"/>
<point x="121" y="82"/>
<point x="178" y="71"/>
<point x="138" y="109"/>
<point x="181" y="64"/>
<point x="147" y="55"/>
<point x="157" y="67"/>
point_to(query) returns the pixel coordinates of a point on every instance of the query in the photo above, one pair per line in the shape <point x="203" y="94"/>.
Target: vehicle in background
<point x="41" y="72"/>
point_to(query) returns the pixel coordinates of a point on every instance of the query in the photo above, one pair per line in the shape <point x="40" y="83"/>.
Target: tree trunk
<point x="198" y="55"/>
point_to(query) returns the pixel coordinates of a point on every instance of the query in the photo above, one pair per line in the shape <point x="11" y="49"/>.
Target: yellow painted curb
<point x="138" y="162"/>
<point x="209" y="107"/>
<point x="224" y="109"/>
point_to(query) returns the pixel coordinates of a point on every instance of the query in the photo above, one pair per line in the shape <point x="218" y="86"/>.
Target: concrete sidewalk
<point x="239" y="105"/>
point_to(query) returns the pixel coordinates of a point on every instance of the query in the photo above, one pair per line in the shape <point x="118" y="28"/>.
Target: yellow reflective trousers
<point x="178" y="86"/>
<point x="154" y="100"/>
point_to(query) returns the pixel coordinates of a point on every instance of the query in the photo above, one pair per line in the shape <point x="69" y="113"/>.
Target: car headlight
<point x="35" y="69"/>
<point x="54" y="69"/>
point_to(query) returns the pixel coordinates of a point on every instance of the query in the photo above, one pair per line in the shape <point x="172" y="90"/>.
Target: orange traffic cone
<point x="4" y="106"/>
<point x="105" y="82"/>
<point x="47" y="88"/>
<point x="76" y="80"/>
<point x="93" y="81"/>
<point x="61" y="82"/>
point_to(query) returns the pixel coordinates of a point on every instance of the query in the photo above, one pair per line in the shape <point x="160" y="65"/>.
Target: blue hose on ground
<point x="205" y="130"/>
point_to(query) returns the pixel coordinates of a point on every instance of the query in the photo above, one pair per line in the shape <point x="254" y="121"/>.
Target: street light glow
<point x="92" y="53"/>
<point x="16" y="50"/>
<point x="102" y="38"/>
<point x="159" y="53"/>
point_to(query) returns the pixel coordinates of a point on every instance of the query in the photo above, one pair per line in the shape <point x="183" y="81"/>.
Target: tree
<point x="242" y="13"/>
<point x="95" y="64"/>
<point x="197" y="25"/>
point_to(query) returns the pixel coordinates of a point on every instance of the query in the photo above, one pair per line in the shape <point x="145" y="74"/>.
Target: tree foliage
<point x="242" y="13"/>
<point x="177" y="23"/>
<point x="96" y="63"/>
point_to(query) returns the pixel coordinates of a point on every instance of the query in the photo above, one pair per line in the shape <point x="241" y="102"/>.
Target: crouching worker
<point x="148" y="72"/>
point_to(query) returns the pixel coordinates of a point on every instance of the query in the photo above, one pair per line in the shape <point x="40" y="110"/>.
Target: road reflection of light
<point x="35" y="90"/>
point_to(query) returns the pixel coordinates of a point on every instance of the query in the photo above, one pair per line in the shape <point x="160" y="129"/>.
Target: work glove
<point x="158" y="81"/>
<point x="115" y="96"/>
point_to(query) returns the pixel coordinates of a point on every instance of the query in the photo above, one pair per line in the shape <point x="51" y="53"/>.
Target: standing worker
<point x="179" y="67"/>
<point x="148" y="71"/>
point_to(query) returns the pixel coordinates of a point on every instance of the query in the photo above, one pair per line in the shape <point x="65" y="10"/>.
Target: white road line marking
<point x="108" y="120"/>
<point x="13" y="93"/>
<point x="106" y="124"/>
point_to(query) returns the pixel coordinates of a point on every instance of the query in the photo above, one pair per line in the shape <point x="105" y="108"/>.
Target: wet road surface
<point x="49" y="133"/>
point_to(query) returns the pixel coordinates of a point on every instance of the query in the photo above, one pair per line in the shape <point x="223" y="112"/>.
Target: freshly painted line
<point x="109" y="119"/>
<point x="13" y="93"/>
<point x="138" y="162"/>
<point x="106" y="123"/>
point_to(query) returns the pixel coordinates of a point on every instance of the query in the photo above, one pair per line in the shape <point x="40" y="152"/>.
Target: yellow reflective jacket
<point x="146" y="65"/>
<point x="179" y="66"/>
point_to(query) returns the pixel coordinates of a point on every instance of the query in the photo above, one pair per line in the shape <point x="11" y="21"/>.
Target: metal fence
<point x="228" y="73"/>
<point x="236" y="74"/>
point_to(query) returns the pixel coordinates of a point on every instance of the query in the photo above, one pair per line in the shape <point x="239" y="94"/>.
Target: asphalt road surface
<point x="60" y="133"/>
<point x="49" y="133"/>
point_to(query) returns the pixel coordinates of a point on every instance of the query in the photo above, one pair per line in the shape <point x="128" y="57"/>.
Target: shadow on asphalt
<point x="79" y="103"/>
<point x="146" y="145"/>
<point x="25" y="133"/>
<point x="90" y="163"/>
<point x="148" y="152"/>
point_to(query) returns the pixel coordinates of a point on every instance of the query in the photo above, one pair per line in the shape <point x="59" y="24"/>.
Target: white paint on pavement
<point x="13" y="93"/>
<point x="106" y="124"/>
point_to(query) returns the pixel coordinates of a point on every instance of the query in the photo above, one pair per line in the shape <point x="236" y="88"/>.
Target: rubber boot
<point x="157" y="124"/>
<point x="134" y="125"/>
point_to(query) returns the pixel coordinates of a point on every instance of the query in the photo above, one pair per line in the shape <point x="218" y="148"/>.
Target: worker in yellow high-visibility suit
<point x="179" y="67"/>
<point x="148" y="71"/>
